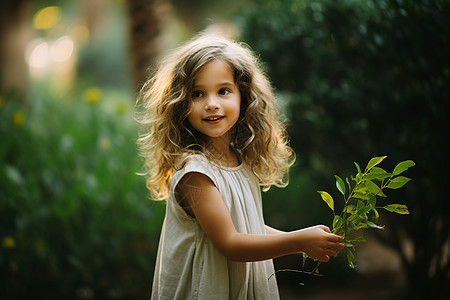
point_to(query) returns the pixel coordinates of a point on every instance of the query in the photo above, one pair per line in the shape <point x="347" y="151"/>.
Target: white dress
<point x="189" y="266"/>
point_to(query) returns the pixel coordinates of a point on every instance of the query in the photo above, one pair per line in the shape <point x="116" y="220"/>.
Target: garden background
<point x="355" y="79"/>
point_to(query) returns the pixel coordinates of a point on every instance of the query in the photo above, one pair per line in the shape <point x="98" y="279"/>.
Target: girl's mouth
<point x="213" y="120"/>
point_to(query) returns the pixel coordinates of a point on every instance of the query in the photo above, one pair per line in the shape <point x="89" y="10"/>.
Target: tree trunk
<point x="146" y="19"/>
<point x="13" y="39"/>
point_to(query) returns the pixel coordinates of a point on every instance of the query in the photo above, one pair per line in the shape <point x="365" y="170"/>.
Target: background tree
<point x="146" y="19"/>
<point x="13" y="39"/>
<point x="369" y="78"/>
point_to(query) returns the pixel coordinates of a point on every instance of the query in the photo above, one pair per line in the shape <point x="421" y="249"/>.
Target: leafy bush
<point x="76" y="221"/>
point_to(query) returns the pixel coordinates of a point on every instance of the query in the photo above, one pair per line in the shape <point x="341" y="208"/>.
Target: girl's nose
<point x="212" y="104"/>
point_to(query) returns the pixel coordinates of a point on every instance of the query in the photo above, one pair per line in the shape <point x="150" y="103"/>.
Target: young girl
<point x="213" y="139"/>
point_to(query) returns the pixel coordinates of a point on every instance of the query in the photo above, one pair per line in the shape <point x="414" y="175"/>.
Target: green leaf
<point x="371" y="187"/>
<point x="359" y="205"/>
<point x="373" y="162"/>
<point x="363" y="210"/>
<point x="351" y="259"/>
<point x="372" y="200"/>
<point x="327" y="198"/>
<point x="358" y="176"/>
<point x="374" y="188"/>
<point x="357" y="167"/>
<point x="349" y="185"/>
<point x="362" y="225"/>
<point x="340" y="184"/>
<point x="350" y="225"/>
<point x="397" y="208"/>
<point x="337" y="221"/>
<point x="351" y="209"/>
<point x="304" y="257"/>
<point x="377" y="173"/>
<point x="363" y="196"/>
<point x="353" y="218"/>
<point x="398" y="182"/>
<point x="363" y="216"/>
<point x="359" y="239"/>
<point x="373" y="215"/>
<point x="373" y="225"/>
<point x="403" y="166"/>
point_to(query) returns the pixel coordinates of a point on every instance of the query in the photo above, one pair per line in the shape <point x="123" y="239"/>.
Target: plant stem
<point x="297" y="271"/>
<point x="316" y="268"/>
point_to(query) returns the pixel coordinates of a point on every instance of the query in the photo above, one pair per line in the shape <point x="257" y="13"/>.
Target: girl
<point x="213" y="139"/>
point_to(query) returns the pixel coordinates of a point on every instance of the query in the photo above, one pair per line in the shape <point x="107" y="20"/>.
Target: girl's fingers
<point x="331" y="252"/>
<point x="325" y="228"/>
<point x="336" y="246"/>
<point x="324" y="258"/>
<point x="337" y="238"/>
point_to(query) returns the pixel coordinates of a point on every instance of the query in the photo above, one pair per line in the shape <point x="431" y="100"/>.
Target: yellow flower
<point x="18" y="119"/>
<point x="8" y="242"/>
<point x="92" y="95"/>
<point x="1" y="102"/>
<point x="105" y="143"/>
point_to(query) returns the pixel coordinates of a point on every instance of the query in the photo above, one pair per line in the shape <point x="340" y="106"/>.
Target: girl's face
<point x="216" y="101"/>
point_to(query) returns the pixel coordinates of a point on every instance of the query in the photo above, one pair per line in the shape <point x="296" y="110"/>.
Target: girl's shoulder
<point x="189" y="160"/>
<point x="196" y="163"/>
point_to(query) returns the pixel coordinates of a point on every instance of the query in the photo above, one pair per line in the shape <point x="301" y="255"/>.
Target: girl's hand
<point x="318" y="243"/>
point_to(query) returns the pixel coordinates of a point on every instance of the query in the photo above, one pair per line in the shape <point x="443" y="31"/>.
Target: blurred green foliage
<point x="76" y="221"/>
<point x="364" y="78"/>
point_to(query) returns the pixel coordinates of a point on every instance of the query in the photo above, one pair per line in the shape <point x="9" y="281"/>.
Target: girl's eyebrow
<point x="225" y="83"/>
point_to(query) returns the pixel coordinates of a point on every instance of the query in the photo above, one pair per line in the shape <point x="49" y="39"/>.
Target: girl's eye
<point x="224" y="92"/>
<point x="197" y="94"/>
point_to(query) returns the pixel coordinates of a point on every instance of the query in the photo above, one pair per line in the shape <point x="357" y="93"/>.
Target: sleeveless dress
<point x="189" y="266"/>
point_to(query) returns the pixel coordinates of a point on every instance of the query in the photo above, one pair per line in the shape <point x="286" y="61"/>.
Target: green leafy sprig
<point x="360" y="195"/>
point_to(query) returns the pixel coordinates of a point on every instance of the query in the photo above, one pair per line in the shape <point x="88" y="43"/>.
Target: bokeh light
<point x="61" y="49"/>
<point x="37" y="54"/>
<point x="41" y="52"/>
<point x="47" y="17"/>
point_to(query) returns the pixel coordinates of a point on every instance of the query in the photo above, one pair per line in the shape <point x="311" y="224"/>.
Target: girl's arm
<point x="271" y="230"/>
<point x="213" y="216"/>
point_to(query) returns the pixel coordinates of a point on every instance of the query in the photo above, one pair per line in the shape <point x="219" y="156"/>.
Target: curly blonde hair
<point x="258" y="137"/>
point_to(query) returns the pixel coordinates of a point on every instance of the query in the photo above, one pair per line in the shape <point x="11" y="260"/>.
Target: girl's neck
<point x="221" y="152"/>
